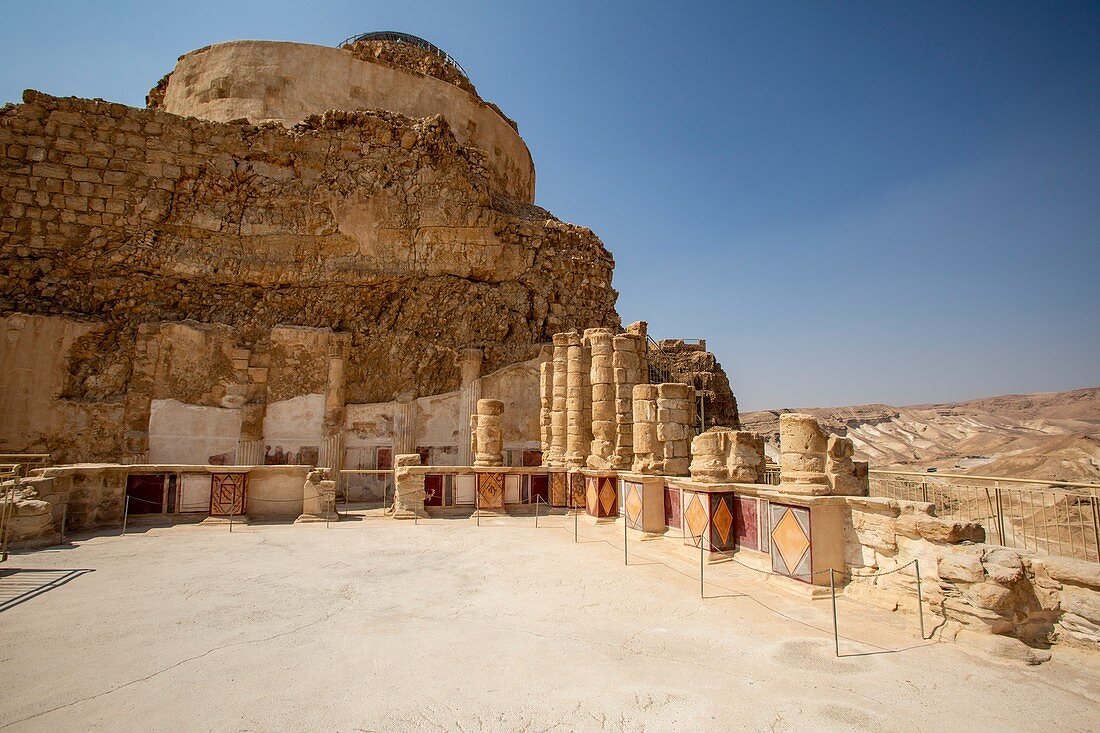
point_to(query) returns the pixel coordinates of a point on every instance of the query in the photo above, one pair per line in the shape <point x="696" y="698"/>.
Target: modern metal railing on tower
<point x="1044" y="517"/>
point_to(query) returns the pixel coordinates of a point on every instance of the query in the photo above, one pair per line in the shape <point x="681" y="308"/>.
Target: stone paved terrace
<point x="444" y="625"/>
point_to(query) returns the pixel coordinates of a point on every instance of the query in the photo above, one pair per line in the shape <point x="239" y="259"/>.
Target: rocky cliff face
<point x="368" y="222"/>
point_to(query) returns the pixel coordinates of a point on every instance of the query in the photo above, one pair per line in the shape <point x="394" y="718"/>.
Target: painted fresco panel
<point x="791" y="547"/>
<point x="746" y="524"/>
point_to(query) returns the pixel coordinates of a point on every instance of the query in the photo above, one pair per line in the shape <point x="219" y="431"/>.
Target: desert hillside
<point x="1049" y="435"/>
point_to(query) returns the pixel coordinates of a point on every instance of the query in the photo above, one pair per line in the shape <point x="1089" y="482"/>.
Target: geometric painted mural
<point x="673" y="507"/>
<point x="601" y="498"/>
<point x="632" y="504"/>
<point x="490" y="490"/>
<point x="227" y="494"/>
<point x="710" y="517"/>
<point x="696" y="518"/>
<point x="746" y="528"/>
<point x="790" y="540"/>
<point x="577" y="484"/>
<point x="559" y="489"/>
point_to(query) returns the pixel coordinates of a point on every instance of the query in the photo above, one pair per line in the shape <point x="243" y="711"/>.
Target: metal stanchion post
<point x="576" y="517"/>
<point x="626" y="558"/>
<point x="477" y="502"/>
<point x="64" y="516"/>
<point x="5" y="519"/>
<point x="920" y="601"/>
<point x="701" y="564"/>
<point x="836" y="627"/>
<point x="125" y="514"/>
<point x="537" y="497"/>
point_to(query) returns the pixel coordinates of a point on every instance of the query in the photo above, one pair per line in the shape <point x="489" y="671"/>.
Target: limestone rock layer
<point x="372" y="223"/>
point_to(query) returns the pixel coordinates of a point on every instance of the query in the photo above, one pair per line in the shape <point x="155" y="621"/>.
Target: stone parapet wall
<point x="1002" y="600"/>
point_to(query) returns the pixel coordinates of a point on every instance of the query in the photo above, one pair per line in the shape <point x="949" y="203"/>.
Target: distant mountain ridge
<point x="1046" y="435"/>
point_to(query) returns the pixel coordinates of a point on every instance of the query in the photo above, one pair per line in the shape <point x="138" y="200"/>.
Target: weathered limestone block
<point x="721" y="455"/>
<point x="487" y="434"/>
<point x="803" y="446"/>
<point x="845" y="476"/>
<point x="408" y="493"/>
<point x="318" y="498"/>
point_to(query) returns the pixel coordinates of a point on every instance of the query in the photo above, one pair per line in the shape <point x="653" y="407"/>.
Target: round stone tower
<point x="274" y="81"/>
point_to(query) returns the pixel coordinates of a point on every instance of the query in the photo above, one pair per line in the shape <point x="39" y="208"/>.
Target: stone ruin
<point x="298" y="255"/>
<point x="302" y="258"/>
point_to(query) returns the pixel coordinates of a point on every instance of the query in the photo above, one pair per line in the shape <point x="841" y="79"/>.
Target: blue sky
<point x="852" y="202"/>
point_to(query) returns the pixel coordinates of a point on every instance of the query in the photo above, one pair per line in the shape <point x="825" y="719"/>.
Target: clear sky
<point x="852" y="202"/>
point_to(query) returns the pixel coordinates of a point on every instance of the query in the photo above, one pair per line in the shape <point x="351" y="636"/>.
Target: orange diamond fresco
<point x="696" y="516"/>
<point x="633" y="503"/>
<point x="607" y="497"/>
<point x="723" y="520"/>
<point x="790" y="540"/>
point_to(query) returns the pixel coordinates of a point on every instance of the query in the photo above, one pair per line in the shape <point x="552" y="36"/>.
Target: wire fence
<point x="1046" y="518"/>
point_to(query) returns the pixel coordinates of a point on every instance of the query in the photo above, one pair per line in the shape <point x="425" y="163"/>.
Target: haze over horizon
<point x="852" y="204"/>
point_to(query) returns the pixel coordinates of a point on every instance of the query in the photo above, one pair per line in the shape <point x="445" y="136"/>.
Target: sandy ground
<point x="385" y="625"/>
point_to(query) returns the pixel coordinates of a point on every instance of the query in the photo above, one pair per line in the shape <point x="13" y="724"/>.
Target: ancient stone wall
<point x="276" y="81"/>
<point x="1004" y="601"/>
<point x="125" y="222"/>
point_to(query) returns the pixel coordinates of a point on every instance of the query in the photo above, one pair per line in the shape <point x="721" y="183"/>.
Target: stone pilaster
<point x="469" y="393"/>
<point x="546" y="407"/>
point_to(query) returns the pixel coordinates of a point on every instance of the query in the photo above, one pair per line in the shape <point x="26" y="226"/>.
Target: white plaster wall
<point x="294" y="423"/>
<point x="191" y="434"/>
<point x="437" y="419"/>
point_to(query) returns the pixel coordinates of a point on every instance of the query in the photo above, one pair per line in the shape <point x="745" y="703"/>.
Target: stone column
<point x="802" y="446"/>
<point x="559" y="416"/>
<point x="408" y="493"/>
<point x="602" y="376"/>
<point x="675" y="421"/>
<point x="578" y="403"/>
<point x="629" y="369"/>
<point x="488" y="437"/>
<point x="647" y="459"/>
<point x="746" y="457"/>
<point x="469" y="393"/>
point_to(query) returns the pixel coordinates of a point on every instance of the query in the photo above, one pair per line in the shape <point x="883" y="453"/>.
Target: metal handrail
<point x="937" y="474"/>
<point x="399" y="37"/>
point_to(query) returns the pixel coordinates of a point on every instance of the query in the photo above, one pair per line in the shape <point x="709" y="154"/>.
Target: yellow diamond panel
<point x="723" y="521"/>
<point x="695" y="516"/>
<point x="790" y="540"/>
<point x="633" y="503"/>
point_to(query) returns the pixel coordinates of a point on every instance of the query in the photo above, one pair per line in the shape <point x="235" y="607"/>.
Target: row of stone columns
<point x="585" y="394"/>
